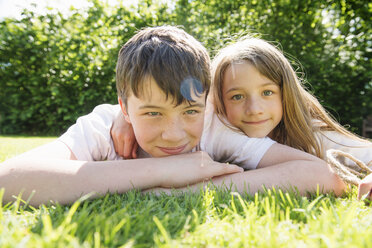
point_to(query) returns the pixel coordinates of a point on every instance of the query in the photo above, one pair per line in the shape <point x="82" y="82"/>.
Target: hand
<point x="186" y="169"/>
<point x="365" y="188"/>
<point x="123" y="137"/>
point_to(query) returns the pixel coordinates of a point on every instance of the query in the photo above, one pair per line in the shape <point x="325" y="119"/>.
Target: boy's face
<point x="160" y="127"/>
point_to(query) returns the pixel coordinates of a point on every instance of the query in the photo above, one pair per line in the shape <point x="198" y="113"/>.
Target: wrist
<point x="157" y="170"/>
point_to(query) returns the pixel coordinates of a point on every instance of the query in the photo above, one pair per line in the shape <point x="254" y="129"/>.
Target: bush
<point x="55" y="68"/>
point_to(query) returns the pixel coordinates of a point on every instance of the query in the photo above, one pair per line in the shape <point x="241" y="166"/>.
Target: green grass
<point x="13" y="145"/>
<point x="214" y="218"/>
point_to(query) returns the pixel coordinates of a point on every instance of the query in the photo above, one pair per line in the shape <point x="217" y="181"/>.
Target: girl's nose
<point x="253" y="106"/>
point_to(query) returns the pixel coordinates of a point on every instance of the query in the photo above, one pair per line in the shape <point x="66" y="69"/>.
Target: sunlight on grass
<point x="212" y="218"/>
<point x="11" y="146"/>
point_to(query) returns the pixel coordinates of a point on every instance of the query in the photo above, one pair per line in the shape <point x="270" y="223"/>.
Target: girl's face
<point x="253" y="102"/>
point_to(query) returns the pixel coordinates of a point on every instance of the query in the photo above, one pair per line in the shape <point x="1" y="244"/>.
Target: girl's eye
<point x="191" y="112"/>
<point x="237" y="97"/>
<point x="153" y="113"/>
<point x="268" y="93"/>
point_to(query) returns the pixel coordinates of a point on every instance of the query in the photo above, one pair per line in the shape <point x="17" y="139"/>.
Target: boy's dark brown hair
<point x="167" y="54"/>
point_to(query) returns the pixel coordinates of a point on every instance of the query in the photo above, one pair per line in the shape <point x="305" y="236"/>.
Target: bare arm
<point x="365" y="188"/>
<point x="293" y="168"/>
<point x="52" y="174"/>
<point x="304" y="177"/>
<point x="279" y="153"/>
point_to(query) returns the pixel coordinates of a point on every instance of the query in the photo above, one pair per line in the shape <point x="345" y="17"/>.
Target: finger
<point x="363" y="189"/>
<point x="224" y="169"/>
<point x="232" y="168"/>
<point x="119" y="147"/>
<point x="134" y="150"/>
<point x="127" y="150"/>
<point x="115" y="140"/>
<point x="115" y="143"/>
<point x="369" y="195"/>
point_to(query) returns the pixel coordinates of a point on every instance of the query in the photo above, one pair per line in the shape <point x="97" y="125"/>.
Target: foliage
<point x="328" y="41"/>
<point x="54" y="68"/>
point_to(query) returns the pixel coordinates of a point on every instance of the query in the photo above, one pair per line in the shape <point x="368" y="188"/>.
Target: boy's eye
<point x="268" y="93"/>
<point x="153" y="113"/>
<point x="237" y="97"/>
<point x="191" y="112"/>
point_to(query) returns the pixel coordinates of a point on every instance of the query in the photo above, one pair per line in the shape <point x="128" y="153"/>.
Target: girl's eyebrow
<point x="269" y="83"/>
<point x="232" y="89"/>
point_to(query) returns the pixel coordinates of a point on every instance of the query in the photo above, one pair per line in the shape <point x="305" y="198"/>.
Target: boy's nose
<point x="253" y="106"/>
<point x="174" y="131"/>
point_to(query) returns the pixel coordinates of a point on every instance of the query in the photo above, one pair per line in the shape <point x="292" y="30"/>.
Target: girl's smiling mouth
<point x="255" y="122"/>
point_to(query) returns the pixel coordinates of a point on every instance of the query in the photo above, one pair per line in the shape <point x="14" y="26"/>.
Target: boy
<point x="162" y="80"/>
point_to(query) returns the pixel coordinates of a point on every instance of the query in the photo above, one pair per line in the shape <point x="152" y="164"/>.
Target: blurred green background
<point x="55" y="67"/>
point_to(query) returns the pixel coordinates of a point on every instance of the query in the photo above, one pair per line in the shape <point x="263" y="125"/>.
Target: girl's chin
<point x="257" y="134"/>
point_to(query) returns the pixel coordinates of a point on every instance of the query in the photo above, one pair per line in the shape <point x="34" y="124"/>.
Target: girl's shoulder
<point x="340" y="138"/>
<point x="358" y="148"/>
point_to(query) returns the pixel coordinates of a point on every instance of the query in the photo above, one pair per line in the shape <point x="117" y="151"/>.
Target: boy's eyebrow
<point x="150" y="106"/>
<point x="200" y="105"/>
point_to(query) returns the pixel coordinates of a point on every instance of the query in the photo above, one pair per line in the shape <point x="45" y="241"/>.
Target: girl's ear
<point x="124" y="110"/>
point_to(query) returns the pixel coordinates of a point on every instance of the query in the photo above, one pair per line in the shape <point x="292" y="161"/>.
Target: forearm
<point x="65" y="181"/>
<point x="305" y="176"/>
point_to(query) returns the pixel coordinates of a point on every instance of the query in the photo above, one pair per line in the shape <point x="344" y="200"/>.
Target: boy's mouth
<point x="173" y="150"/>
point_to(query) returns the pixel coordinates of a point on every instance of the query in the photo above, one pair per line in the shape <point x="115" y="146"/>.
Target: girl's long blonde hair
<point x="303" y="115"/>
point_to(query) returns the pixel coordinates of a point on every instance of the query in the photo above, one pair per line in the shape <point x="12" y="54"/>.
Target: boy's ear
<point x="124" y="110"/>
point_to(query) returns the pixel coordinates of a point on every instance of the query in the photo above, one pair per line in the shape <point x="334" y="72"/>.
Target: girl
<point x="257" y="92"/>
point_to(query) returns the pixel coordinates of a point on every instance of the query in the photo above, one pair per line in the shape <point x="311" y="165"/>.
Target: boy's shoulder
<point x="89" y="138"/>
<point x="106" y="109"/>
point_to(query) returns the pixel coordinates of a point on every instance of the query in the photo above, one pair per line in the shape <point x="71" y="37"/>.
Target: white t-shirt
<point x="226" y="145"/>
<point x="90" y="140"/>
<point x="334" y="140"/>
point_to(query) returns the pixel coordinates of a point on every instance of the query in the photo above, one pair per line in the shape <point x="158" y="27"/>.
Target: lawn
<point x="214" y="218"/>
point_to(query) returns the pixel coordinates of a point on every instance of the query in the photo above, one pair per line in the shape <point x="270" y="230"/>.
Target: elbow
<point x="337" y="185"/>
<point x="333" y="182"/>
<point x="328" y="180"/>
